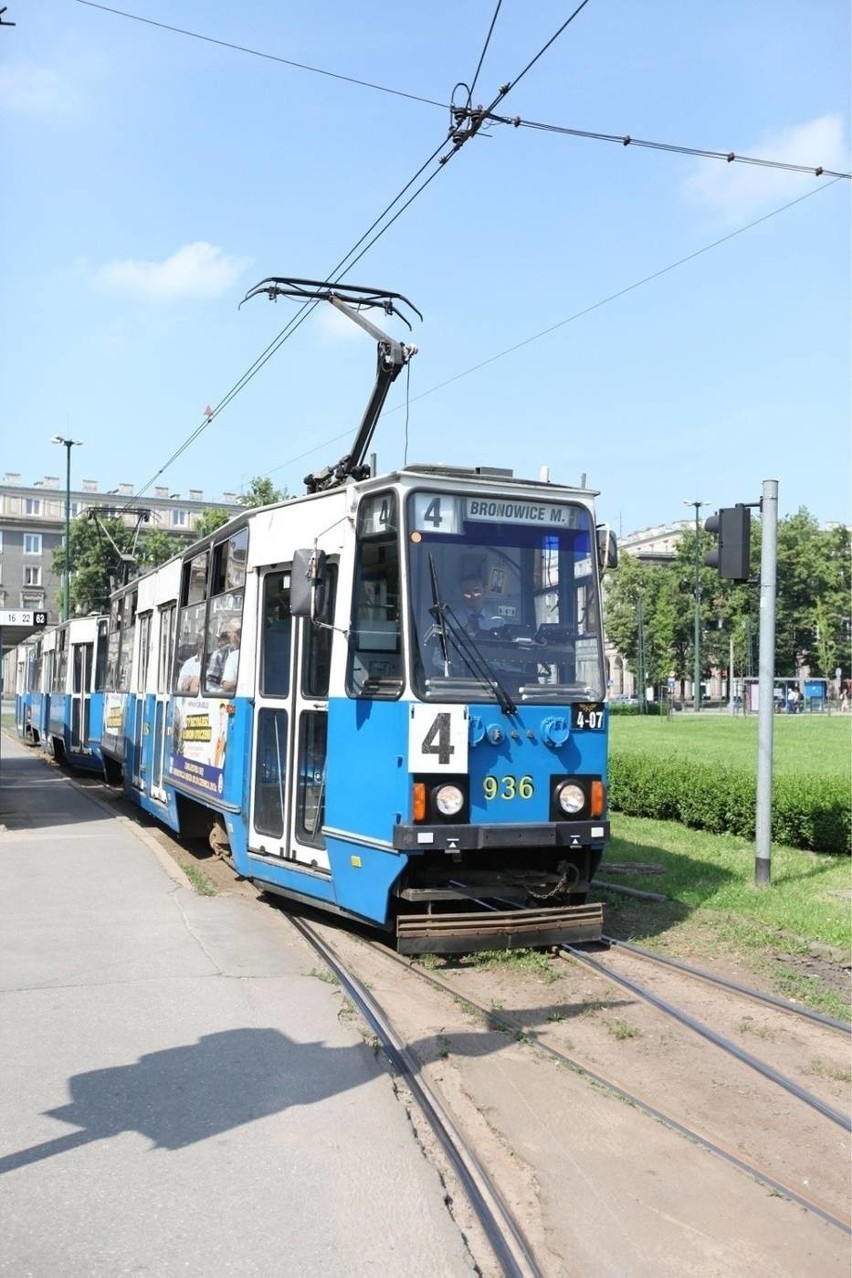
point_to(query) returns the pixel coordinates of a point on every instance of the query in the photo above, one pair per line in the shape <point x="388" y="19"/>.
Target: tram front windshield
<point x="505" y="591"/>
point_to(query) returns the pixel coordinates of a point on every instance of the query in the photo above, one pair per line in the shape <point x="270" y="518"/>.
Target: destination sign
<point x="511" y="510"/>
<point x="22" y="617"/>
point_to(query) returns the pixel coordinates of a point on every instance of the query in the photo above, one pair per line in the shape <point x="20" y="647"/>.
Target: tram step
<point x="458" y="933"/>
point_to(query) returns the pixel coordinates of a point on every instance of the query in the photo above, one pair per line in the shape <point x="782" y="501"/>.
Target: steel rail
<point x="702" y="974"/>
<point x="739" y="1053"/>
<point x="504" y="1235"/>
<point x="508" y="1023"/>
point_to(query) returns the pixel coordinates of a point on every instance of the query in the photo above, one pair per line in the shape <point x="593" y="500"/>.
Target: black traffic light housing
<point x="732" y="525"/>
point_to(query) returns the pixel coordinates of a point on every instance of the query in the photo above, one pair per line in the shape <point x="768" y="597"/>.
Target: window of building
<point x="180" y="518"/>
<point x="73" y="509"/>
<point x="32" y="576"/>
<point x="32" y="505"/>
<point x="1" y="543"/>
<point x="32" y="543"/>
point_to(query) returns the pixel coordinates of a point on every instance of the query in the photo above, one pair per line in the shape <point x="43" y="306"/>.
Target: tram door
<point x="82" y="656"/>
<point x="165" y="661"/>
<point x="288" y="799"/>
<point x="139" y="725"/>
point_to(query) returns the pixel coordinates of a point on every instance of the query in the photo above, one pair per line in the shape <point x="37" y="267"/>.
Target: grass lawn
<point x="801" y="742"/>
<point x="793" y="931"/>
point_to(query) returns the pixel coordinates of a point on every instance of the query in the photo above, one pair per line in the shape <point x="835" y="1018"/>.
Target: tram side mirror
<point x="306" y="583"/>
<point x="607" y="548"/>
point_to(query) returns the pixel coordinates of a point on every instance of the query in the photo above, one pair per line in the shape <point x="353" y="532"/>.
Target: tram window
<point x="375" y="655"/>
<point x="317" y="670"/>
<point x="224" y="623"/>
<point x="276" y="636"/>
<point x="166" y="648"/>
<point x="144" y="651"/>
<point x="128" y="637"/>
<point x="310" y="799"/>
<point x="190" y="648"/>
<point x="270" y="772"/>
<point x="194" y="582"/>
<point x="229" y="563"/>
<point x="101" y="657"/>
<point x="60" y="662"/>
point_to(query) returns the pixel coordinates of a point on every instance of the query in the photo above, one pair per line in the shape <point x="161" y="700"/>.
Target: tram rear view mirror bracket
<point x="306" y="583"/>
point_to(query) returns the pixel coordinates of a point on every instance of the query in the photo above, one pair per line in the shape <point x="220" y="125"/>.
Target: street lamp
<point x="696" y="678"/>
<point x="66" y="582"/>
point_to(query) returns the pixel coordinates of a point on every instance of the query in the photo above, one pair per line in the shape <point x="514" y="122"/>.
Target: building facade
<point x="32" y="527"/>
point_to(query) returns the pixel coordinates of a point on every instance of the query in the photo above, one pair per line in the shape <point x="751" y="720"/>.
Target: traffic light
<point x="732" y="525"/>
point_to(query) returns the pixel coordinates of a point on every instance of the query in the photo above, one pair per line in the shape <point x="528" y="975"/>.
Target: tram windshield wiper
<point x="451" y="632"/>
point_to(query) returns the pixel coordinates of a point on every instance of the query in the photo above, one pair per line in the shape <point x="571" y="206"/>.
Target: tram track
<point x="712" y="1036"/>
<point x="520" y="1031"/>
<point x="505" y="1237"/>
<point x="723" y="982"/>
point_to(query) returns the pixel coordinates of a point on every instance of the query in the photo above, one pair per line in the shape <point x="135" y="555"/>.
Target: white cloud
<point x="30" y="89"/>
<point x="739" y="191"/>
<point x="197" y="270"/>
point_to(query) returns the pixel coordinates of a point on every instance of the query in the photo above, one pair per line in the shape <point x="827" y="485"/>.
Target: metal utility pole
<point x="766" y="682"/>
<point x="66" y="576"/>
<point x="696" y="678"/>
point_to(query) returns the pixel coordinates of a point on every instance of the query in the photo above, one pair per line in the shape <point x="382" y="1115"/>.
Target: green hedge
<point x="808" y="810"/>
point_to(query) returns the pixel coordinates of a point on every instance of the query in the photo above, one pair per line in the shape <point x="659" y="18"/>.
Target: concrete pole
<point x="766" y="682"/>
<point x="696" y="678"/>
<point x="66" y="586"/>
<point x="731" y="706"/>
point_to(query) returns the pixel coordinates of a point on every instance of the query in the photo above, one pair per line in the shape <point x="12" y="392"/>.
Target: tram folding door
<point x="291" y="730"/>
<point x="82" y="655"/>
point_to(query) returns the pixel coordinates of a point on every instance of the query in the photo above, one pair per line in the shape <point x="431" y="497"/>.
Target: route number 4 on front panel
<point x="437" y="739"/>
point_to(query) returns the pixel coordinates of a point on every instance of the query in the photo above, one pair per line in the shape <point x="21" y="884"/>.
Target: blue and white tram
<point x="58" y="691"/>
<point x="386" y="697"/>
<point x="306" y="687"/>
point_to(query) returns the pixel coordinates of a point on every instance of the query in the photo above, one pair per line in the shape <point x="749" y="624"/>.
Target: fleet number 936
<point x="508" y="787"/>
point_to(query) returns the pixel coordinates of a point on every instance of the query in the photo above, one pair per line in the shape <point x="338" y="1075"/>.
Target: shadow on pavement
<point x="187" y="1094"/>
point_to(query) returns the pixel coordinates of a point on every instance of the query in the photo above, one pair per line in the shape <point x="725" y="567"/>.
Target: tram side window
<point x="318" y="639"/>
<point x="61" y="661"/>
<point x="224" y="624"/>
<point x="271" y="772"/>
<point x="128" y="637"/>
<point x="113" y="644"/>
<point x="375" y="656"/>
<point x="101" y="656"/>
<point x="191" y="627"/>
<point x="277" y="636"/>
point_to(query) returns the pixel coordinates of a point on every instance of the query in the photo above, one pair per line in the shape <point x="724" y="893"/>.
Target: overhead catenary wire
<point x="621" y="139"/>
<point x="457" y="139"/>
<point x="626" y="139"/>
<point x="569" y="319"/>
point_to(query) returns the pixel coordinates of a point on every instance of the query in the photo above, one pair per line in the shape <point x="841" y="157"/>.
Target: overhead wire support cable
<point x="259" y="53"/>
<point x="626" y="139"/>
<point x="483" y="53"/>
<point x="458" y="139"/>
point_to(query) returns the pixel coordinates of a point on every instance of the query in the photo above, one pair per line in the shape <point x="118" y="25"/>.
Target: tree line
<point x="105" y="552"/>
<point x="812" y="624"/>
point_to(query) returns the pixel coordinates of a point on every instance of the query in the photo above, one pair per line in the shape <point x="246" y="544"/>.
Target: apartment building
<point x="32" y="526"/>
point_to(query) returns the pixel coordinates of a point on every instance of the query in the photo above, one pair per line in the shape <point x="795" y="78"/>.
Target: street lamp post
<point x="66" y="576"/>
<point x="696" y="678"/>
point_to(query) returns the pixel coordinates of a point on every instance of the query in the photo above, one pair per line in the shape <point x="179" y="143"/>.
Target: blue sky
<point x="150" y="179"/>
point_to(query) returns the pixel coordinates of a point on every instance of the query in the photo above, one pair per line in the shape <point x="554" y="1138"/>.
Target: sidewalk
<point x="178" y="1093"/>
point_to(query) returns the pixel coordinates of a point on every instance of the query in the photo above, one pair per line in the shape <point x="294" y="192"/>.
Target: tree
<point x="261" y="492"/>
<point x="209" y="520"/>
<point x="156" y="547"/>
<point x="97" y="566"/>
<point x="812" y="607"/>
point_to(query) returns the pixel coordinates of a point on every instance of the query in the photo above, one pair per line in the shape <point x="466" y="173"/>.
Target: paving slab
<point x="178" y="1094"/>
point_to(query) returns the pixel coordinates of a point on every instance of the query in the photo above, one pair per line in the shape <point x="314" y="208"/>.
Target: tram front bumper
<point x="469" y="838"/>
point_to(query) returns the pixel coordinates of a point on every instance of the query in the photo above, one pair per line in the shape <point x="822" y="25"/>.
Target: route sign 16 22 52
<point x="22" y="617"/>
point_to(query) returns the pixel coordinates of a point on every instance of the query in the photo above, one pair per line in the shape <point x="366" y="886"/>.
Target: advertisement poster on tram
<point x="115" y="706"/>
<point x="199" y="744"/>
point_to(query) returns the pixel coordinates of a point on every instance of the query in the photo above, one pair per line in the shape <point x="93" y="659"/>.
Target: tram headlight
<point x="570" y="798"/>
<point x="449" y="800"/>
